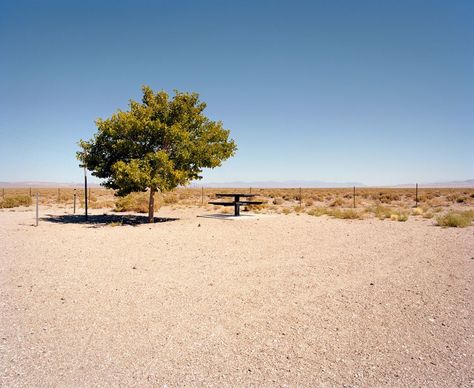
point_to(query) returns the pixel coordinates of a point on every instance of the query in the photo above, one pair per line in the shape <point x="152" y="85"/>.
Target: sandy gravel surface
<point x="272" y="300"/>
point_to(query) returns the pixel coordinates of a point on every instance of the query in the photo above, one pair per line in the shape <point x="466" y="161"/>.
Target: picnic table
<point x="237" y="203"/>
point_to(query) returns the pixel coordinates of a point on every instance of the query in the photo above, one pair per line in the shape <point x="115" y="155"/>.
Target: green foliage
<point x="456" y="219"/>
<point x="17" y="200"/>
<point x="157" y="144"/>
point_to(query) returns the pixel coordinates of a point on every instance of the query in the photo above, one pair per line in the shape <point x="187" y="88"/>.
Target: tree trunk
<point x="151" y="206"/>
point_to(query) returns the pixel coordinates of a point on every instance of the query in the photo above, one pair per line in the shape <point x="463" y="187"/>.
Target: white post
<point x="36" y="208"/>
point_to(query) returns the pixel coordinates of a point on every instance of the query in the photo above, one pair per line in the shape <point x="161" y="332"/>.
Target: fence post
<point x="3" y="192"/>
<point x="354" y="196"/>
<point x="300" y="197"/>
<point x="416" y="195"/>
<point x="59" y="195"/>
<point x="30" y="191"/>
<point x="202" y="195"/>
<point x="36" y="209"/>
<point x="85" y="192"/>
<point x="74" y="202"/>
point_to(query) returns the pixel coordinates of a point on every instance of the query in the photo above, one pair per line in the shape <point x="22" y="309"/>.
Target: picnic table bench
<point x="237" y="203"/>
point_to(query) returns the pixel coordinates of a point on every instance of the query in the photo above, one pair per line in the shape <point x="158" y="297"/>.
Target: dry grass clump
<point x="317" y="211"/>
<point x="170" y="198"/>
<point x="455" y="219"/>
<point x="278" y="201"/>
<point x="381" y="212"/>
<point x="15" y="201"/>
<point x="337" y="202"/>
<point x="134" y="202"/>
<point x="346" y="214"/>
<point x="399" y="215"/>
<point x="298" y="209"/>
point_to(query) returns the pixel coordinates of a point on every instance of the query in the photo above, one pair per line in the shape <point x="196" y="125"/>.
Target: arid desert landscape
<point x="302" y="290"/>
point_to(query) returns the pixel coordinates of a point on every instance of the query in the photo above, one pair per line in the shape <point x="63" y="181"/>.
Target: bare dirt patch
<point x="274" y="300"/>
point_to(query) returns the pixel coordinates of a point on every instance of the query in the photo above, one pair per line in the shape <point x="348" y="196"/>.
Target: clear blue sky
<point x="380" y="92"/>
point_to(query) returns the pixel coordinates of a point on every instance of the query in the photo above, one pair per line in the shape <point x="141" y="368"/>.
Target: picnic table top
<point x="235" y="195"/>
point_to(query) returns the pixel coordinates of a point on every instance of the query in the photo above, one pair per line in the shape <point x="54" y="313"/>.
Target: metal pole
<point x="354" y="196"/>
<point x="30" y="191"/>
<point x="85" y="190"/>
<point x="36" y="209"/>
<point x="416" y="195"/>
<point x="300" y="196"/>
<point x="250" y="190"/>
<point x="3" y="192"/>
<point x="59" y="195"/>
<point x="74" y="203"/>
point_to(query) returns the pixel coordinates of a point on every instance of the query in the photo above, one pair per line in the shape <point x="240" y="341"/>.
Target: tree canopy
<point x="156" y="145"/>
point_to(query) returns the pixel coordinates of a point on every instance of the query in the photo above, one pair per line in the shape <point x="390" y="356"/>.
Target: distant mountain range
<point x="279" y="184"/>
<point x="46" y="184"/>
<point x="469" y="183"/>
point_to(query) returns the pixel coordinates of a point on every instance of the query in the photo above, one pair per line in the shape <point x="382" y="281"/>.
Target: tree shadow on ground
<point x="98" y="220"/>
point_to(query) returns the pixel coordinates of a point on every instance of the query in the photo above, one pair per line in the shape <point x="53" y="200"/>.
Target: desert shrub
<point x="399" y="215"/>
<point x="317" y="212"/>
<point x="337" y="202"/>
<point x="309" y="202"/>
<point x="456" y="219"/>
<point x="135" y="202"/>
<point x="17" y="200"/>
<point x="298" y="209"/>
<point x="286" y="210"/>
<point x="170" y="199"/>
<point x="381" y="212"/>
<point x="102" y="204"/>
<point x="418" y="211"/>
<point x="347" y="214"/>
<point x="384" y="197"/>
<point x="461" y="199"/>
<point x="427" y="214"/>
<point x="278" y="201"/>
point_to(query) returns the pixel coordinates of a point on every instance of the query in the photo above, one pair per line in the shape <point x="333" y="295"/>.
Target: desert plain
<point x="201" y="298"/>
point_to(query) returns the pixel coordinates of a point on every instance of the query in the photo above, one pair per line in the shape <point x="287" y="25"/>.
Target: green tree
<point x="156" y="145"/>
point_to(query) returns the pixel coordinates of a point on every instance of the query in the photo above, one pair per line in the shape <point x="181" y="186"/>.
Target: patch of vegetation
<point x="399" y="215"/>
<point x="170" y="199"/>
<point x="298" y="209"/>
<point x="278" y="201"/>
<point x="15" y="201"/>
<point x="317" y="212"/>
<point x="381" y="212"/>
<point x="337" y="202"/>
<point x="134" y="202"/>
<point x="347" y="214"/>
<point x="456" y="219"/>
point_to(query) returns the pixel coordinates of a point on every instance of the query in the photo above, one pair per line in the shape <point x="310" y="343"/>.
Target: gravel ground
<point x="268" y="300"/>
